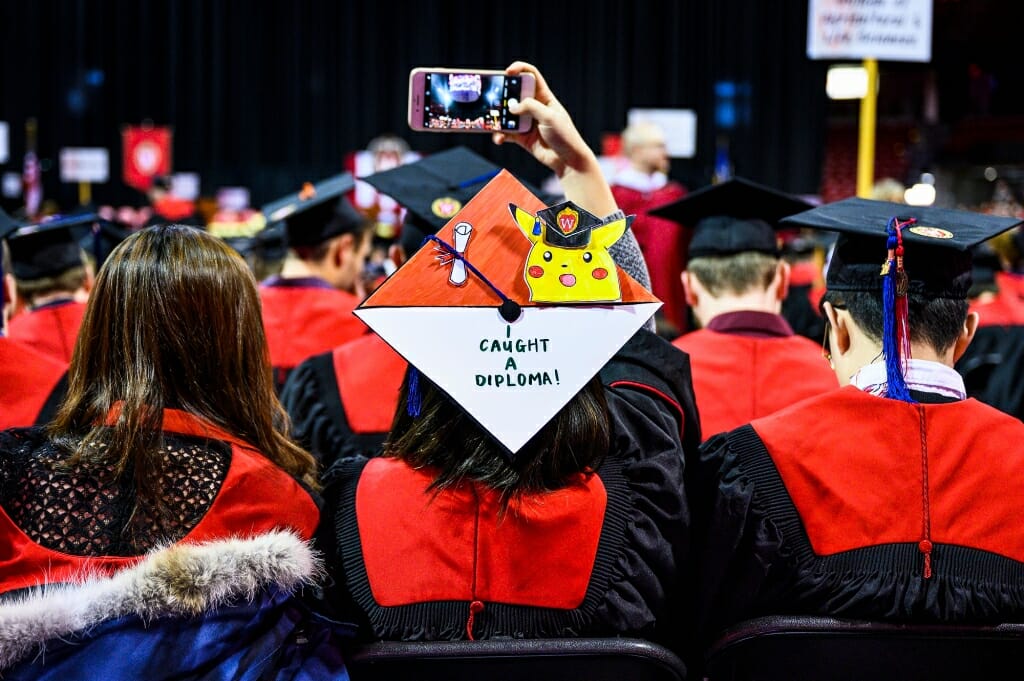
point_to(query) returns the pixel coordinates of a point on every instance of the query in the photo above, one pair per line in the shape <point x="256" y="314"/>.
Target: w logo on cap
<point x="567" y="220"/>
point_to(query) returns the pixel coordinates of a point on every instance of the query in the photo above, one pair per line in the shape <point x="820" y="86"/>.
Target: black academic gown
<point x="633" y="509"/>
<point x="852" y="505"/>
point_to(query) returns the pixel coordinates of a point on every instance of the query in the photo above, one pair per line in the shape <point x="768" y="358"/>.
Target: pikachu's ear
<point x="529" y="225"/>
<point x="606" y="235"/>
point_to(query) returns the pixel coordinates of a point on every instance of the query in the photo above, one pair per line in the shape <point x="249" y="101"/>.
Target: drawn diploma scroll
<point x="463" y="231"/>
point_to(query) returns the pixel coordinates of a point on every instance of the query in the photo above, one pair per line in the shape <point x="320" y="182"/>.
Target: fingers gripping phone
<point x="464" y="100"/>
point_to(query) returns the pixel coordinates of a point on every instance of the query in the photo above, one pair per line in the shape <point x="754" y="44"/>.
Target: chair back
<point x="797" y="648"/>
<point x="587" y="659"/>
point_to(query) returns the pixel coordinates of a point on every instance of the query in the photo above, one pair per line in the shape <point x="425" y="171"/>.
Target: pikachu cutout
<point x="569" y="260"/>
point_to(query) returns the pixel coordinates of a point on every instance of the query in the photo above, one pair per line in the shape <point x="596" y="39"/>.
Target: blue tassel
<point x="896" y="385"/>
<point x="536" y="227"/>
<point x="414" y="401"/>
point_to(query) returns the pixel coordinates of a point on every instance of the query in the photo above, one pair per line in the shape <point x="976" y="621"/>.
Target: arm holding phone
<point x="554" y="141"/>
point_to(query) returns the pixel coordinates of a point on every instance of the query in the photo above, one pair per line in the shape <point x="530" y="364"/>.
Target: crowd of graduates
<point x="255" y="441"/>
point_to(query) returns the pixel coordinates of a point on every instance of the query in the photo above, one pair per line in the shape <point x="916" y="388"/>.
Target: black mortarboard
<point x="937" y="244"/>
<point x="893" y="249"/>
<point x="435" y="188"/>
<point x="317" y="212"/>
<point x="272" y="241"/>
<point x="984" y="266"/>
<point x="50" y="247"/>
<point x="735" y="216"/>
<point x="567" y="225"/>
<point x="99" y="238"/>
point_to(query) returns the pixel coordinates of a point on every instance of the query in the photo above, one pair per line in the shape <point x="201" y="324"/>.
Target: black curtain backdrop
<point x="269" y="94"/>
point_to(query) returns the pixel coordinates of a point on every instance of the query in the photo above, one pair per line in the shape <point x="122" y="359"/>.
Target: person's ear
<point x="780" y="282"/>
<point x="690" y="286"/>
<point x="840" y="341"/>
<point x="342" y="249"/>
<point x="10" y="291"/>
<point x="966" y="335"/>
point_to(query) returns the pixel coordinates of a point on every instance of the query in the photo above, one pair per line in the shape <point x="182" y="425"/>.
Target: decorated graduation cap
<point x="317" y="212"/>
<point x="895" y="249"/>
<point x="463" y="311"/>
<point x="50" y="247"/>
<point x="434" y="188"/>
<point x="735" y="216"/>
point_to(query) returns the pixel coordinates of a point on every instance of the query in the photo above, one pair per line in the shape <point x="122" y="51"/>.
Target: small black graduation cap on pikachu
<point x="569" y="261"/>
<point x="317" y="212"/>
<point x="895" y="250"/>
<point x="447" y="311"/>
<point x="735" y="216"/>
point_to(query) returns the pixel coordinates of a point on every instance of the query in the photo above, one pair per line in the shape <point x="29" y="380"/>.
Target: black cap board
<point x="735" y="216"/>
<point x="316" y="213"/>
<point x="99" y="238"/>
<point x="937" y="243"/>
<point x="50" y="247"/>
<point x="434" y="188"/>
<point x="567" y="225"/>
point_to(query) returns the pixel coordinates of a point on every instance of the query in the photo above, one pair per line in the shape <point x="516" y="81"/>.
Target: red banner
<point x="147" y="153"/>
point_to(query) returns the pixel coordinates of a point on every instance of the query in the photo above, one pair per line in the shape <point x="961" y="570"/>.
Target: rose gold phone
<point x="464" y="100"/>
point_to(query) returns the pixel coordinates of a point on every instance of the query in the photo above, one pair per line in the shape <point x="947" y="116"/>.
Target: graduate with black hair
<point x="895" y="497"/>
<point x="747" y="361"/>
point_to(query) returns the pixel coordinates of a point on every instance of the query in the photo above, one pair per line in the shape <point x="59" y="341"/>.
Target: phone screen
<point x="470" y="101"/>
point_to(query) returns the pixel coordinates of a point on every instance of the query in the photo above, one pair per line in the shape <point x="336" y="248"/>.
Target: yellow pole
<point x="866" y="143"/>
<point x="84" y="193"/>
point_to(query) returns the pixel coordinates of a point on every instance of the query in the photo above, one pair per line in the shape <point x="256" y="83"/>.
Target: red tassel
<point x="925" y="547"/>
<point x="902" y="307"/>
<point x="474" y="608"/>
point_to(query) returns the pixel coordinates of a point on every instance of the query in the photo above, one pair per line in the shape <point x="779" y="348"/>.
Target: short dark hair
<point x="935" y="321"/>
<point x="446" y="438"/>
<point x="736" y="273"/>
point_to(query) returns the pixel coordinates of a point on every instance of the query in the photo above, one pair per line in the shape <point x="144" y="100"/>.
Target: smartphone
<point x="464" y="100"/>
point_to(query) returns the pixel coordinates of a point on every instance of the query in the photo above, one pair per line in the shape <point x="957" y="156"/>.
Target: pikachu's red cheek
<point x="536" y="271"/>
<point x="599" y="273"/>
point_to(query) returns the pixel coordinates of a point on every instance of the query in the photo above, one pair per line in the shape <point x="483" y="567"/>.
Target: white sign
<point x="889" y="30"/>
<point x="10" y="185"/>
<point x="84" y="164"/>
<point x="5" y="148"/>
<point x="233" y="198"/>
<point x="185" y="186"/>
<point x="679" y="126"/>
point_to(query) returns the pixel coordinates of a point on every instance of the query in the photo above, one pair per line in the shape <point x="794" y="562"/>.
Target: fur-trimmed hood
<point x="178" y="580"/>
